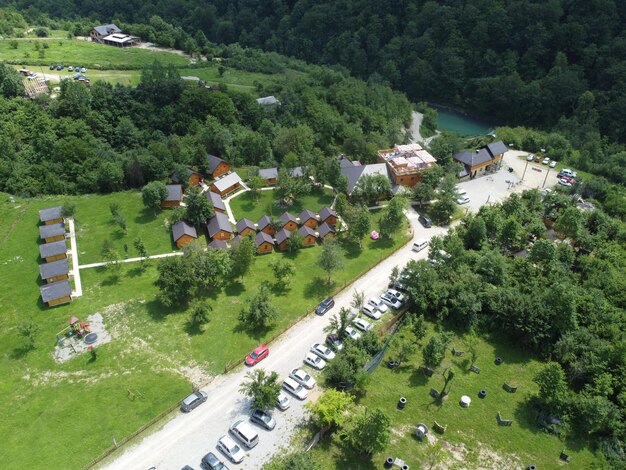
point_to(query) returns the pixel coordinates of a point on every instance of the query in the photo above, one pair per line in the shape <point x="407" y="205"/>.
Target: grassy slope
<point x="82" y="404"/>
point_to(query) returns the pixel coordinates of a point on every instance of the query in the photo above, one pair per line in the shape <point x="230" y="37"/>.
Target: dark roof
<point x="107" y="29"/>
<point x="263" y="237"/>
<point x="50" y="213"/>
<point x="174" y="192"/>
<point x="52" y="249"/>
<point x="227" y="181"/>
<point x="325" y="229"/>
<point x="268" y="173"/>
<point x="214" y="162"/>
<point x="473" y="158"/>
<point x="288" y="217"/>
<point x="282" y="235"/>
<point x="56" y="268"/>
<point x="345" y="162"/>
<point x="218" y="223"/>
<point x="216" y="200"/>
<point x="496" y="148"/>
<point x="188" y="172"/>
<point x="243" y="224"/>
<point x="306" y="215"/>
<point x="181" y="228"/>
<point x="218" y="245"/>
<point x="354" y="173"/>
<point x="56" y="290"/>
<point x="52" y="230"/>
<point x="306" y="230"/>
<point x="327" y="212"/>
<point x="264" y="222"/>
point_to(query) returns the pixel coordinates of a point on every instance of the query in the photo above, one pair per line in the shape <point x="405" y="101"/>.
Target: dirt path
<point x="414" y="129"/>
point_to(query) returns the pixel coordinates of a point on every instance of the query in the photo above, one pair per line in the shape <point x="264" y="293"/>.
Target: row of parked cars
<point x="71" y="68"/>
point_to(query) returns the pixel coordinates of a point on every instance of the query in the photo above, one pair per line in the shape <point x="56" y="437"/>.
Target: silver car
<point x="352" y="333"/>
<point x="295" y="389"/>
<point x="283" y="402"/>
<point x="303" y="378"/>
<point x="323" y="351"/>
<point x="362" y="324"/>
<point x="192" y="401"/>
<point x="314" y="361"/>
<point x="230" y="449"/>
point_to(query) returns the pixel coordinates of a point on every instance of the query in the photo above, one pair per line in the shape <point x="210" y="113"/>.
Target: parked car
<point x="567" y="172"/>
<point x="325" y="305"/>
<point x="303" y="378"/>
<point x="545" y="161"/>
<point x="230" y="449"/>
<point x="380" y="306"/>
<point x="244" y="433"/>
<point x="425" y="221"/>
<point x="362" y="324"/>
<point x="323" y="351"/>
<point x="193" y="401"/>
<point x="257" y="355"/>
<point x="419" y="245"/>
<point x="83" y="70"/>
<point x="565" y="182"/>
<point x="352" y="333"/>
<point x="263" y="419"/>
<point x="283" y="402"/>
<point x="530" y="157"/>
<point x="211" y="462"/>
<point x="70" y="69"/>
<point x="334" y="342"/>
<point x="391" y="300"/>
<point x="552" y="164"/>
<point x="396" y="294"/>
<point x="52" y="67"/>
<point x="372" y="312"/>
<point x="463" y="200"/>
<point x="59" y="67"/>
<point x="398" y="284"/>
<point x="295" y="389"/>
<point x="314" y="361"/>
<point x="537" y="158"/>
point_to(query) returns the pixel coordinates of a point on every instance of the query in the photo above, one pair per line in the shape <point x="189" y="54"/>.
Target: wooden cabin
<point x="53" y="251"/>
<point x="51" y="215"/>
<point x="269" y="175"/>
<point x="326" y="231"/>
<point x="216" y="201"/>
<point x="265" y="225"/>
<point x="328" y="215"/>
<point x="56" y="293"/>
<point x="245" y="227"/>
<point x="219" y="227"/>
<point x="282" y="239"/>
<point x="217" y="166"/>
<point x="52" y="233"/>
<point x="174" y="195"/>
<point x="308" y="218"/>
<point x="309" y="235"/>
<point x="227" y="184"/>
<point x="183" y="233"/>
<point x="54" y="271"/>
<point x="194" y="178"/>
<point x="264" y="243"/>
<point x="289" y="221"/>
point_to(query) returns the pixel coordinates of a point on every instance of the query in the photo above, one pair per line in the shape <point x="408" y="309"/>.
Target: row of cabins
<point x="55" y="271"/>
<point x="220" y="188"/>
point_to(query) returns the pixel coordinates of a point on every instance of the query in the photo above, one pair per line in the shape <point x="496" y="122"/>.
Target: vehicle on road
<point x="257" y="355"/>
<point x="380" y="306"/>
<point x="263" y="419"/>
<point x="314" y="361"/>
<point x="295" y="389"/>
<point x="463" y="200"/>
<point x="352" y="333"/>
<point x="334" y="342"/>
<point x="193" y="401"/>
<point x="283" y="402"/>
<point x="325" y="305"/>
<point x="211" y="462"/>
<point x="425" y="221"/>
<point x="545" y="161"/>
<point x="230" y="449"/>
<point x="323" y="351"/>
<point x="391" y="300"/>
<point x="302" y="378"/>
<point x="362" y="324"/>
<point x="372" y="312"/>
<point x="419" y="245"/>
<point x="244" y="433"/>
<point x="552" y="164"/>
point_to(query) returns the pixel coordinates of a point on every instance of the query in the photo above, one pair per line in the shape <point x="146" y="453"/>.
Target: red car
<point x="257" y="355"/>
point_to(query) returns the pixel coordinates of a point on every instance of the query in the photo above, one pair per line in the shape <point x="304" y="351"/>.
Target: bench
<point x="439" y="428"/>
<point x="434" y="393"/>
<point x="503" y="422"/>
<point x="457" y="353"/>
<point x="509" y="388"/>
<point x="473" y="368"/>
<point x="427" y="371"/>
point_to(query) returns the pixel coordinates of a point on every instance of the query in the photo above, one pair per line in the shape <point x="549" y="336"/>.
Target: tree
<point x="262" y="387"/>
<point x="338" y="323"/>
<point x="403" y="348"/>
<point x="242" y="256"/>
<point x="110" y="255"/>
<point x="295" y="242"/>
<point x="176" y="281"/>
<point x="367" y="431"/>
<point x="153" y="194"/>
<point x="476" y="233"/>
<point x="395" y="273"/>
<point x="283" y="271"/>
<point x="141" y="250"/>
<point x="418" y="326"/>
<point x="68" y="210"/>
<point x="443" y="208"/>
<point x="199" y="208"/>
<point x="392" y="217"/>
<point x="200" y="315"/>
<point x="330" y="409"/>
<point x="255" y="183"/>
<point x="358" y="299"/>
<point x="370" y="188"/>
<point x="290" y="189"/>
<point x="359" y="222"/>
<point x="435" y="350"/>
<point x="260" y="312"/>
<point x="120" y="221"/>
<point x="331" y="258"/>
<point x="211" y="267"/>
<point x="28" y="329"/>
<point x="298" y="460"/>
<point x="570" y="222"/>
<point x="448" y="376"/>
<point x="552" y="387"/>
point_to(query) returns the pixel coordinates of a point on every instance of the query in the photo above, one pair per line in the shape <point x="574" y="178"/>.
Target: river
<point x="448" y="120"/>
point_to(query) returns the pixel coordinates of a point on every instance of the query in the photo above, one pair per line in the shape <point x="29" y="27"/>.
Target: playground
<point x="79" y="337"/>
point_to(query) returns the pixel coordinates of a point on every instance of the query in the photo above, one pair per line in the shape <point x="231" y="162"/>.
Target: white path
<point x="133" y="260"/>
<point x="229" y="211"/>
<point x="75" y="272"/>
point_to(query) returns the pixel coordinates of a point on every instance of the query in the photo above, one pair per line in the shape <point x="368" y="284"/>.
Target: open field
<point x="473" y="438"/>
<point x="153" y="359"/>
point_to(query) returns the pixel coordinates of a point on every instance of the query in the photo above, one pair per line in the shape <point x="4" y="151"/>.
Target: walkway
<point x="133" y="260"/>
<point x="229" y="211"/>
<point x="78" y="285"/>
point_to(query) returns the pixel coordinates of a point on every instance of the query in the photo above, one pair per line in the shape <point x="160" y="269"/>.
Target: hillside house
<point x="219" y="227"/>
<point x="194" y="178"/>
<point x="245" y="227"/>
<point x="355" y="172"/>
<point x="54" y="271"/>
<point x="121" y="40"/>
<point x="53" y="251"/>
<point x="269" y="175"/>
<point x="56" y="293"/>
<point x="226" y="184"/>
<point x="326" y="232"/>
<point x="406" y="163"/>
<point x="217" y="166"/>
<point x="174" y="195"/>
<point x="289" y="221"/>
<point x="52" y="233"/>
<point x="328" y="215"/>
<point x="51" y="215"/>
<point x="183" y="233"/>
<point x="309" y="235"/>
<point x="308" y="218"/>
<point x="98" y="33"/>
<point x="216" y="201"/>
<point x="282" y="237"/>
<point x="484" y="159"/>
<point x="265" y="225"/>
<point x="264" y="243"/>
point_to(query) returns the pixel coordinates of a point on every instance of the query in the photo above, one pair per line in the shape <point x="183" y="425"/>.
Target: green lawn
<point x="473" y="432"/>
<point x="245" y="205"/>
<point x="84" y="405"/>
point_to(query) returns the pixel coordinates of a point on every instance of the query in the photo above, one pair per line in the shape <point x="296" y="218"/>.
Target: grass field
<point x="83" y="405"/>
<point x="473" y="438"/>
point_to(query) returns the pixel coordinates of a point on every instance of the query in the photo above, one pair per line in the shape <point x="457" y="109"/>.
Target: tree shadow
<point x="418" y="378"/>
<point x="145" y="216"/>
<point x="158" y="311"/>
<point x="351" y="249"/>
<point x="112" y="280"/>
<point x="382" y="243"/>
<point x="234" y="289"/>
<point x="21" y="352"/>
<point x="136" y="271"/>
<point x="256" y="333"/>
<point x="348" y="457"/>
<point x="510" y="353"/>
<point x="279" y="289"/>
<point x="316" y="289"/>
<point x="193" y="329"/>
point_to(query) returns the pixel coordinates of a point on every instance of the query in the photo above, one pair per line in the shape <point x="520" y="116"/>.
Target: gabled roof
<point x="218" y="244"/>
<point x="306" y="230"/>
<point x="243" y="224"/>
<point x="106" y="29"/>
<point x="268" y="100"/>
<point x="264" y="222"/>
<point x="496" y="148"/>
<point x="354" y="173"/>
<point x="263" y="237"/>
<point x="227" y="181"/>
<point x="52" y="249"/>
<point x="56" y="290"/>
<point x="306" y="215"/>
<point x="345" y="162"/>
<point x="282" y="235"/>
<point x="473" y="158"/>
<point x="52" y="230"/>
<point x="217" y="223"/>
<point x="181" y="228"/>
<point x="188" y="172"/>
<point x="50" y="213"/>
<point x="325" y="229"/>
<point x="288" y="217"/>
<point x="214" y="162"/>
<point x="174" y="192"/>
<point x="268" y="173"/>
<point x="216" y="200"/>
<point x="56" y="268"/>
<point x="327" y="212"/>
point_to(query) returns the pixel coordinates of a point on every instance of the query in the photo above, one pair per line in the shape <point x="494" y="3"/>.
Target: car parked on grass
<point x="314" y="361"/>
<point x="230" y="449"/>
<point x="334" y="342"/>
<point x="425" y="221"/>
<point x="567" y="172"/>
<point x="283" y="402"/>
<point x="295" y="388"/>
<point x="552" y="164"/>
<point x="193" y="401"/>
<point x="463" y="200"/>
<point x="396" y="294"/>
<point x="391" y="300"/>
<point x="372" y="312"/>
<point x="352" y="333"/>
<point x="244" y="433"/>
<point x="263" y="419"/>
<point x="211" y="462"/>
<point x="257" y="355"/>
<point x="70" y="69"/>
<point x="59" y="67"/>
<point x="323" y="351"/>
<point x="545" y="161"/>
<point x="380" y="306"/>
<point x="300" y="376"/>
<point x="83" y="70"/>
<point x="565" y="182"/>
<point x="325" y="305"/>
<point x="52" y="67"/>
<point x="362" y="324"/>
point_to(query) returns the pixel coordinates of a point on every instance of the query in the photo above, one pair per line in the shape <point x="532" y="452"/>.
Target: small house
<point x="218" y="245"/>
<point x="55" y="271"/>
<point x="269" y="175"/>
<point x="245" y="227"/>
<point x="51" y="215"/>
<point x="183" y="233"/>
<point x="194" y="178"/>
<point x="326" y="231"/>
<point x="174" y="195"/>
<point x="484" y="159"/>
<point x="264" y="243"/>
<point x="216" y="201"/>
<point x="227" y="184"/>
<point x="98" y="33"/>
<point x="308" y="218"/>
<point x="309" y="235"/>
<point x="328" y="215"/>
<point x="265" y="225"/>
<point x="121" y="40"/>
<point x="53" y="251"/>
<point x="52" y="233"/>
<point x="56" y="293"/>
<point x="217" y="166"/>
<point x="289" y="221"/>
<point x="282" y="237"/>
<point x="219" y="227"/>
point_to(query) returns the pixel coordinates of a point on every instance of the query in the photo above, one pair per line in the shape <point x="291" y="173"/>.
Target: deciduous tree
<point x="331" y="258"/>
<point x="262" y="387"/>
<point x="367" y="431"/>
<point x="199" y="208"/>
<point x="153" y="194"/>
<point x="260" y="312"/>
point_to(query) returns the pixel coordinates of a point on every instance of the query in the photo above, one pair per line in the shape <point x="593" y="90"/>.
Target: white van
<point x="419" y="245"/>
<point x="244" y="432"/>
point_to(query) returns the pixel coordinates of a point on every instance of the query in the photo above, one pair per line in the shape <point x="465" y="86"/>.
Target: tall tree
<point x="283" y="271"/>
<point x="153" y="194"/>
<point x="260" y="312"/>
<point x="176" y="281"/>
<point x="242" y="255"/>
<point x="331" y="258"/>
<point x="262" y="387"/>
<point x="392" y="218"/>
<point x="330" y="409"/>
<point x="199" y="208"/>
<point x="359" y="222"/>
<point x="367" y="431"/>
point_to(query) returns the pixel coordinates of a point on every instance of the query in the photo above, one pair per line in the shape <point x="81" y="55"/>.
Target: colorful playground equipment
<point x="75" y="329"/>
